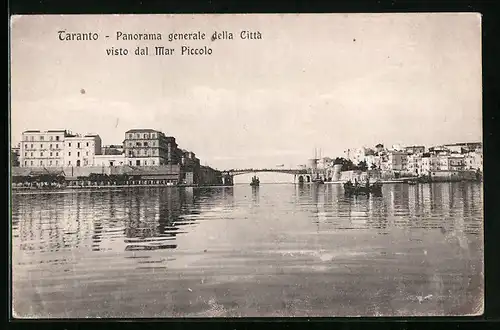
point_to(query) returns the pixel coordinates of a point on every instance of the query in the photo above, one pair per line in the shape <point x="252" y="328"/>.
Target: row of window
<point x="143" y="152"/>
<point x="144" y="163"/>
<point x="41" y="146"/>
<point x="78" y="145"/>
<point x="142" y="136"/>
<point x="139" y="144"/>
<point x="41" y="163"/>
<point x="42" y="138"/>
<point x="51" y="154"/>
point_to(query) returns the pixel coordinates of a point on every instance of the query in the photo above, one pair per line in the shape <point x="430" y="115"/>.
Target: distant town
<point x="148" y="156"/>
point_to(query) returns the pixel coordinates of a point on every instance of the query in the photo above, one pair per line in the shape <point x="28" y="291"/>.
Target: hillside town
<point x="455" y="161"/>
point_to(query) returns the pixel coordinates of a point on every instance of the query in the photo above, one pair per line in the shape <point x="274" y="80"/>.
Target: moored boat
<point x="255" y="182"/>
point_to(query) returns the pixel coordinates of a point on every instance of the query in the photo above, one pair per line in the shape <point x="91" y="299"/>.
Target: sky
<point x="329" y="81"/>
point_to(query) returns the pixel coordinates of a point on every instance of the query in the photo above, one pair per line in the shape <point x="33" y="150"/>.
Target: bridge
<point x="234" y="172"/>
<point x="300" y="175"/>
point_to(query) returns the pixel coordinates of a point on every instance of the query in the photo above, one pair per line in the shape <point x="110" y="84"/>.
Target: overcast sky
<point x="327" y="81"/>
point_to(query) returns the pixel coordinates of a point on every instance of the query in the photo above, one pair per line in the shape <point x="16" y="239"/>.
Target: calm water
<point x="277" y="250"/>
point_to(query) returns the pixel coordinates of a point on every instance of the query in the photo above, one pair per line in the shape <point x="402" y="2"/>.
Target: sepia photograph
<point x="246" y="165"/>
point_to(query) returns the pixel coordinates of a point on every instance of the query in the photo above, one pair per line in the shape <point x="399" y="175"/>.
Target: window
<point x="57" y="146"/>
<point x="50" y="163"/>
<point x="130" y="162"/>
<point x="78" y="145"/>
<point x="31" y="163"/>
<point x="57" y="154"/>
<point x="69" y="153"/>
<point x="57" y="162"/>
<point x="57" y="138"/>
<point x="41" y="146"/>
<point x="131" y="136"/>
<point x="41" y="154"/>
<point x="78" y="154"/>
<point x="138" y="144"/>
<point x="31" y="146"/>
<point x="31" y="154"/>
<point x="69" y="144"/>
<point x="25" y="154"/>
<point x="41" y="138"/>
<point x="69" y="162"/>
<point x="145" y="163"/>
<point x="51" y="138"/>
<point x="25" y="163"/>
<point x="41" y="163"/>
<point x="25" y="146"/>
<point x="145" y="144"/>
<point x="153" y="162"/>
<point x="153" y="135"/>
<point x="87" y="144"/>
<point x="32" y="138"/>
<point x="87" y="153"/>
<point x="50" y="154"/>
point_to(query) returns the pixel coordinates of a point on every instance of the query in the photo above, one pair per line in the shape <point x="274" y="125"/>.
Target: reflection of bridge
<point x="235" y="172"/>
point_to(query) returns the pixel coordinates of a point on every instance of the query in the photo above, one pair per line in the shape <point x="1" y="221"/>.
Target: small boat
<point x="366" y="189"/>
<point x="255" y="182"/>
<point x="412" y="182"/>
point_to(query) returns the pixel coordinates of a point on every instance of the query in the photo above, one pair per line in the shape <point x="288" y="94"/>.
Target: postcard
<point x="277" y="165"/>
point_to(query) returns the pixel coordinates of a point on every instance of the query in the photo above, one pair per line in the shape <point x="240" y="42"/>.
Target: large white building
<point x="42" y="148"/>
<point x="58" y="148"/>
<point x="80" y="150"/>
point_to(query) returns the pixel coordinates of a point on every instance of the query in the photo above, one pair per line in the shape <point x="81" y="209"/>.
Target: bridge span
<point x="300" y="175"/>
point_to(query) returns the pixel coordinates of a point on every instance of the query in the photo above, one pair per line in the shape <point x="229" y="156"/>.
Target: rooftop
<point x="142" y="130"/>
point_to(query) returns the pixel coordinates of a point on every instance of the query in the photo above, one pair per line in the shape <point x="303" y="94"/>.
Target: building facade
<point x="148" y="147"/>
<point x="81" y="150"/>
<point x="42" y="148"/>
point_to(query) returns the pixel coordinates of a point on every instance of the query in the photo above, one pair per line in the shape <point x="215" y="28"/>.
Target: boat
<point x="412" y="182"/>
<point x="255" y="182"/>
<point x="366" y="189"/>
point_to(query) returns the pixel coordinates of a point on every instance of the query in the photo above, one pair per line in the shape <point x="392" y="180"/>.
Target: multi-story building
<point x="42" y="148"/>
<point x="398" y="161"/>
<point x="456" y="163"/>
<point x="474" y="160"/>
<point x="415" y="163"/>
<point x="148" y="147"/>
<point x="430" y="163"/>
<point x="80" y="150"/>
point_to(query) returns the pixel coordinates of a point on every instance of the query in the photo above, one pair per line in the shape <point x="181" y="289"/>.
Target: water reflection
<point x="429" y="236"/>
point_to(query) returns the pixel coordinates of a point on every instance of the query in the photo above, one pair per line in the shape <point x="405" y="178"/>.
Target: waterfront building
<point x="415" y="163"/>
<point x="190" y="165"/>
<point x="456" y="162"/>
<point x="430" y="163"/>
<point x="110" y="160"/>
<point x="397" y="161"/>
<point x="80" y="150"/>
<point x="148" y="147"/>
<point x="474" y="160"/>
<point x="42" y="148"/>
